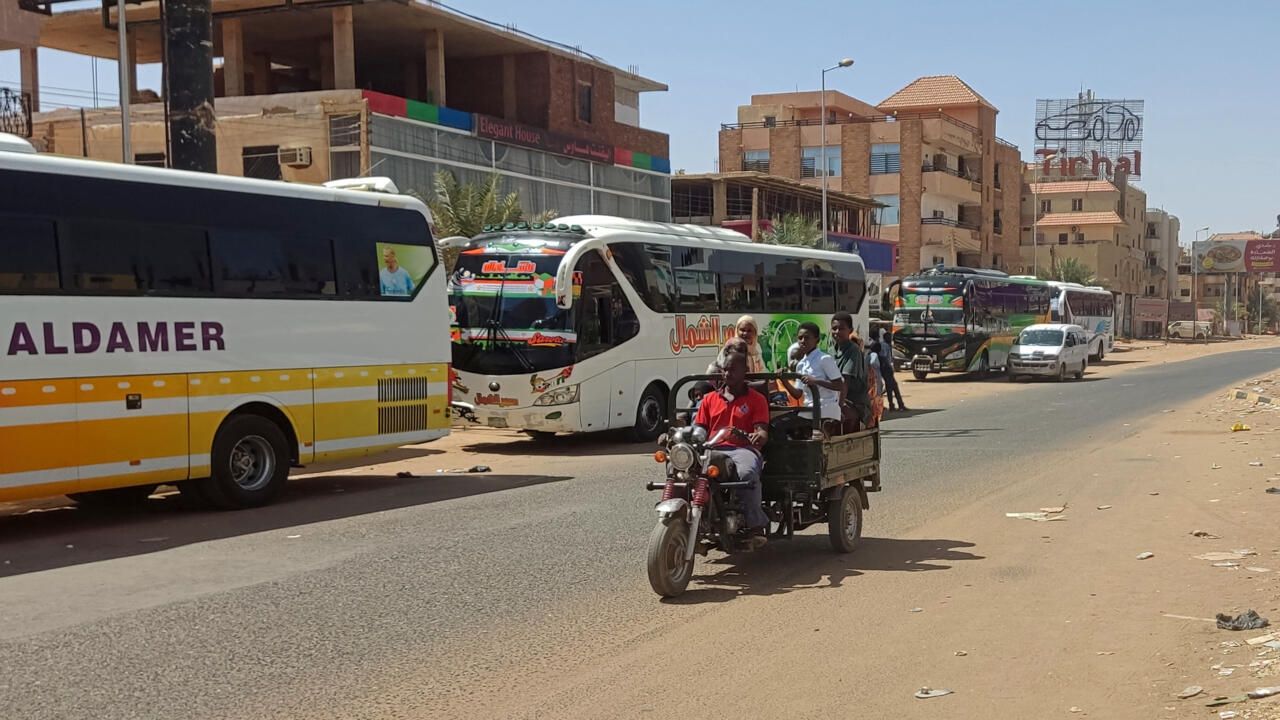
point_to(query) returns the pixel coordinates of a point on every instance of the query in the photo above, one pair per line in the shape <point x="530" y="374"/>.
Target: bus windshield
<point x="505" y="319"/>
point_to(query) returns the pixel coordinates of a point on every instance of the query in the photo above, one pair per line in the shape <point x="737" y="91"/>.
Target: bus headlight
<point x="562" y="396"/>
<point x="898" y="354"/>
<point x="957" y="355"/>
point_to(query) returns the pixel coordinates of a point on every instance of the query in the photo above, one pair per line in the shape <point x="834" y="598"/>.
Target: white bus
<point x="584" y="324"/>
<point x="1092" y="308"/>
<point x="162" y="327"/>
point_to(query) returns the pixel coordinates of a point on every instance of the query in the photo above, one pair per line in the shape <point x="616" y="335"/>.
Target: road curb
<point x="1255" y="398"/>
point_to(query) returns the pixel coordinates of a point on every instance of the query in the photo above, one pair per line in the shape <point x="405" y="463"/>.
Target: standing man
<point x="820" y="371"/>
<point x="856" y="404"/>
<point x="746" y="411"/>
<point x="885" y="354"/>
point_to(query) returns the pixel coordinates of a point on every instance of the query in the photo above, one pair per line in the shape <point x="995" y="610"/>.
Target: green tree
<point x="1068" y="270"/>
<point x="1270" y="311"/>
<point x="793" y="229"/>
<point x="466" y="208"/>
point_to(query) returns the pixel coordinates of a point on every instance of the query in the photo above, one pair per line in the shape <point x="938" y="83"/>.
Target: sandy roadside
<point x="1018" y="618"/>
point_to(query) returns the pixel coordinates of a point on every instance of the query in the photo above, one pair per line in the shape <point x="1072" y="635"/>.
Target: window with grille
<point x="886" y="158"/>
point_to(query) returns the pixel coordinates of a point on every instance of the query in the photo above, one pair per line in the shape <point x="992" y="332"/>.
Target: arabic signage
<point x="517" y="134"/>
<point x="706" y="331"/>
<point x="1237" y="256"/>
<point x="1090" y="137"/>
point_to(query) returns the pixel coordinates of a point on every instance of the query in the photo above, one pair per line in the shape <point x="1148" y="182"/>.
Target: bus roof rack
<point x="366" y="184"/>
<point x="960" y="270"/>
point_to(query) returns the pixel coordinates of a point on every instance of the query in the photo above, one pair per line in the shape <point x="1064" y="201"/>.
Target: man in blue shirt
<point x="394" y="279"/>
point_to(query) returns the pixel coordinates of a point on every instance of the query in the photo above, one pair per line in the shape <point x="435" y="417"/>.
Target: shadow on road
<point x="810" y="565"/>
<point x="54" y="537"/>
<point x="905" y="414"/>
<point x="601" y="443"/>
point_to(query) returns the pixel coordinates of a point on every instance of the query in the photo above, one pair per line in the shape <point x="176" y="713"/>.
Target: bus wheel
<point x="650" y="414"/>
<point x="984" y="364"/>
<point x="114" y="498"/>
<point x="919" y="374"/>
<point x="250" y="463"/>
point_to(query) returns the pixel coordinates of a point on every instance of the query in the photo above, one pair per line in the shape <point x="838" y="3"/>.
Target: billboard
<point x="1236" y="256"/>
<point x="1086" y="136"/>
<point x="1151" y="310"/>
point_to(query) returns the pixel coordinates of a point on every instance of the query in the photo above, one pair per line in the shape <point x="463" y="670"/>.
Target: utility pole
<point x="192" y="144"/>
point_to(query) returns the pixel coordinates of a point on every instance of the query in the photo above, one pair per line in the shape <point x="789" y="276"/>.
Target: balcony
<point x="948" y="130"/>
<point x="948" y="232"/>
<point x="948" y="182"/>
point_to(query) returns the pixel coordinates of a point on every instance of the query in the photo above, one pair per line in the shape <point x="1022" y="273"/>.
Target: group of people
<point x="850" y="388"/>
<point x="853" y="384"/>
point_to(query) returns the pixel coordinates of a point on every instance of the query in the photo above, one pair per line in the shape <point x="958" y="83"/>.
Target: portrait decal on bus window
<point x="401" y="268"/>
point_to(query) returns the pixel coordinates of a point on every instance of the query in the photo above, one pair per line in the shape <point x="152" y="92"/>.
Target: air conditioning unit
<point x="1075" y="229"/>
<point x="298" y="157"/>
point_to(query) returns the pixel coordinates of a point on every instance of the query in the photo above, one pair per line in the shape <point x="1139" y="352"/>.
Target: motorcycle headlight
<point x="682" y="456"/>
<point x="957" y="355"/>
<point x="560" y="396"/>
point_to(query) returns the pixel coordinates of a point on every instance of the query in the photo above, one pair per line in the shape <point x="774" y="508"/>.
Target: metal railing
<point x="15" y="112"/>
<point x="854" y="120"/>
<point x="931" y="167"/>
<point x="949" y="222"/>
<point x="755" y="165"/>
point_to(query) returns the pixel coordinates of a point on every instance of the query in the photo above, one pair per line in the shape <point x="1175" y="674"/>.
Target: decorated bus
<point x="956" y="319"/>
<point x="583" y="324"/>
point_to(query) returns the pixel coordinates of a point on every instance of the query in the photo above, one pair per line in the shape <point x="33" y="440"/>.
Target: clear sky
<point x="1208" y="71"/>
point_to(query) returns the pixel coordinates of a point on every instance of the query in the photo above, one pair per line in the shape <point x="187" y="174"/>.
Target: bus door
<point x="605" y="320"/>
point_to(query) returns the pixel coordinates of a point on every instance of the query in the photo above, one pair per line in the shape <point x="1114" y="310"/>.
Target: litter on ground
<point x="1247" y="620"/>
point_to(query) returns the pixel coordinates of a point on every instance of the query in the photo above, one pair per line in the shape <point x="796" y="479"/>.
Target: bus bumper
<point x="552" y="418"/>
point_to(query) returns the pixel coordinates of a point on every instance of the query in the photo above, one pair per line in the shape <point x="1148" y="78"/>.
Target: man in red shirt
<point x="736" y="405"/>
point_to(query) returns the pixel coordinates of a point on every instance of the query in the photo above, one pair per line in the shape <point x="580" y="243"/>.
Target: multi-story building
<point x="1160" y="242"/>
<point x="312" y="93"/>
<point x="928" y="153"/>
<point x="1096" y="222"/>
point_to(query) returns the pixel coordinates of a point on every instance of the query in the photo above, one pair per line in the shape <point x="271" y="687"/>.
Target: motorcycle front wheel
<point x="669" y="572"/>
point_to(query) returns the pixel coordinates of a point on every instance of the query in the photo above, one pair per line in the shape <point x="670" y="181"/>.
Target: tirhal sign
<point x="1090" y="136"/>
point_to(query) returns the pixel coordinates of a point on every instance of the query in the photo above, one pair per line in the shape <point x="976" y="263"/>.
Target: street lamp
<point x="822" y="122"/>
<point x="1195" y="309"/>
<point x="1035" y="215"/>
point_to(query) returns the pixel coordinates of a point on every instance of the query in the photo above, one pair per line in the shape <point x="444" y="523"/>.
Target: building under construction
<point x="313" y="90"/>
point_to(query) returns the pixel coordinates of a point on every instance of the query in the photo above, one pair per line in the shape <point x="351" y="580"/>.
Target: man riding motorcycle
<point x="745" y="413"/>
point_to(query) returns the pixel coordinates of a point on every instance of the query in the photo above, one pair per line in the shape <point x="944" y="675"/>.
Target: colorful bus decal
<point x="778" y="333"/>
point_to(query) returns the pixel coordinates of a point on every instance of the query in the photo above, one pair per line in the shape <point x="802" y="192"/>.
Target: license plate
<point x="497" y="422"/>
<point x="923" y="365"/>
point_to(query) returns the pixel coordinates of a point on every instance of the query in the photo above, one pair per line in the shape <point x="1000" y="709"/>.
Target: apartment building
<point x="928" y="153"/>
<point x="1160" y="242"/>
<point x="311" y="92"/>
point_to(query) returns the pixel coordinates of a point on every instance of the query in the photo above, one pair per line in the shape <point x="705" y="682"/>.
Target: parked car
<point x="1187" y="329"/>
<point x="1050" y="350"/>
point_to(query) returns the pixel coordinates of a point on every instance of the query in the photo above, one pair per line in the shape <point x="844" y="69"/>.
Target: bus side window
<point x="28" y="255"/>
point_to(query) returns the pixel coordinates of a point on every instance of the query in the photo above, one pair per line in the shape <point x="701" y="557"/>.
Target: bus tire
<point x="919" y="375"/>
<point x="250" y="463"/>
<point x="651" y="414"/>
<point x="114" y="498"/>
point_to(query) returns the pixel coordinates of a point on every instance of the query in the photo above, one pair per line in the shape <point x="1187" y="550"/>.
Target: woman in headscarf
<point x="748" y="331"/>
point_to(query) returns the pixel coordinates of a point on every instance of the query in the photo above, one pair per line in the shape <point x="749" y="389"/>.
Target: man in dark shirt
<point x="736" y="405"/>
<point x="853" y="365"/>
<point x="885" y="353"/>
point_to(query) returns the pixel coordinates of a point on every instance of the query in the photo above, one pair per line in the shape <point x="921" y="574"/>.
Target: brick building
<point x="929" y="153"/>
<point x="397" y="89"/>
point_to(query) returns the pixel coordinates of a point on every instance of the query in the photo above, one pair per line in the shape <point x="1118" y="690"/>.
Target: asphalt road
<point x="382" y="597"/>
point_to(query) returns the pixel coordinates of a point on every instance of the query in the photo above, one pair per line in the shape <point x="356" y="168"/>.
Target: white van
<point x="1179" y="329"/>
<point x="1049" y="349"/>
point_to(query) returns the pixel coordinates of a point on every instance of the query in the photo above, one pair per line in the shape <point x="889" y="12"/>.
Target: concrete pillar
<point x="344" y="48"/>
<point x="719" y="202"/>
<point x="435" y="68"/>
<point x="131" y="41"/>
<point x="232" y="57"/>
<point x="261" y="74"/>
<point x="326" y="65"/>
<point x="509" y="87"/>
<point x="30" y="60"/>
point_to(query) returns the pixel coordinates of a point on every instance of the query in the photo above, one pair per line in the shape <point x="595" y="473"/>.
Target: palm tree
<point x="1069" y="270"/>
<point x="465" y="209"/>
<point x="793" y="229"/>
